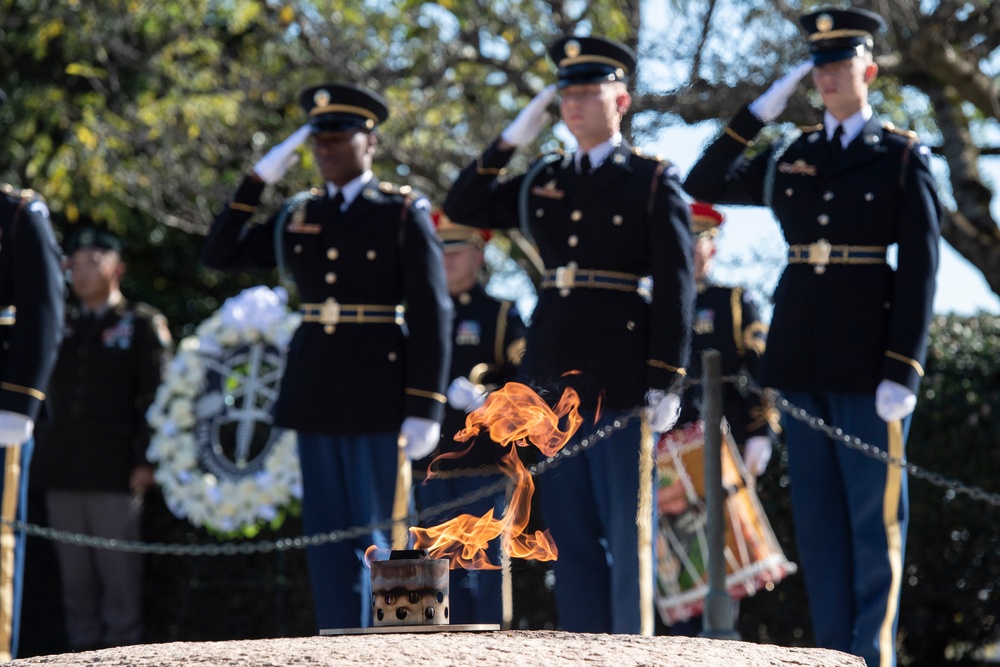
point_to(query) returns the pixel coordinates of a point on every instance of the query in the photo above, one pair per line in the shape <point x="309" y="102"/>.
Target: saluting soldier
<point x="360" y="371"/>
<point x="31" y="311"/>
<point x="849" y="333"/>
<point x="487" y="339"/>
<point x="603" y="217"/>
<point x="91" y="457"/>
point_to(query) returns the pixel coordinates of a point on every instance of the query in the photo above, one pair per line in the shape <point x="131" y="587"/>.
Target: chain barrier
<point x="853" y="442"/>
<point x="303" y="541"/>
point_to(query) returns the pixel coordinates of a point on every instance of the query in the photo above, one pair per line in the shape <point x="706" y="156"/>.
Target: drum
<point x="754" y="559"/>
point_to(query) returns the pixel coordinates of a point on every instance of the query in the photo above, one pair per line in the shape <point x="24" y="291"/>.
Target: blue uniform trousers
<point x="851" y="515"/>
<point x="475" y="596"/>
<point x="589" y="504"/>
<point x="347" y="481"/>
<point x="14" y="500"/>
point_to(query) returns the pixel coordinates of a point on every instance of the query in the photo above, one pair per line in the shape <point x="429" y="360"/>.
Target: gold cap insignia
<point x="824" y="23"/>
<point x="572" y="48"/>
<point x="322" y="97"/>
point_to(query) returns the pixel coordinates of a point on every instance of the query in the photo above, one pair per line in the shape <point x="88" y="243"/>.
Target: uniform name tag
<point x="548" y="190"/>
<point x="303" y="228"/>
<point x="797" y="167"/>
<point x="298" y="225"/>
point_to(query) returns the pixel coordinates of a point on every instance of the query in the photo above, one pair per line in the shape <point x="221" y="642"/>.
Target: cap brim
<point x="337" y="123"/>
<point x="834" y="55"/>
<point x="449" y="246"/>
<point x="582" y="73"/>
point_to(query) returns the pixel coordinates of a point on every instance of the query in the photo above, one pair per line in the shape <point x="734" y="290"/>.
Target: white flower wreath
<point x="218" y="462"/>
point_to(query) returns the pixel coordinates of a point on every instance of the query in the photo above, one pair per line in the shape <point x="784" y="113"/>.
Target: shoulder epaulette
<point x="557" y="151"/>
<point x="30" y="195"/>
<point x="146" y="310"/>
<point x="296" y="201"/>
<point x="808" y="129"/>
<point x="638" y="152"/>
<point x="909" y="134"/>
<point x="393" y="189"/>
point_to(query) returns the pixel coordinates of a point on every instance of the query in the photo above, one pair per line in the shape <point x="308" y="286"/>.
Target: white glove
<point x="463" y="395"/>
<point x="276" y="162"/>
<point x="769" y="106"/>
<point x="894" y="401"/>
<point x="529" y="122"/>
<point x="419" y="437"/>
<point x="756" y="454"/>
<point x="662" y="409"/>
<point x="15" y="428"/>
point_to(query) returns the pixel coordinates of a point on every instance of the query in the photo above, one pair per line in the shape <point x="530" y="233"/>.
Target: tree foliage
<point x="939" y="75"/>
<point x="143" y="116"/>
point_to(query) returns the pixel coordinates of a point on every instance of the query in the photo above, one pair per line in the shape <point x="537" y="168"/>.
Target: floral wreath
<point x="218" y="461"/>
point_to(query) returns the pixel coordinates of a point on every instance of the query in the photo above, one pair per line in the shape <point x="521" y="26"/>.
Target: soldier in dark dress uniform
<point x="726" y="320"/>
<point x="91" y="456"/>
<point x="31" y="311"/>
<point x="603" y="217"/>
<point x="487" y="346"/>
<point x="360" y="372"/>
<point x="849" y="333"/>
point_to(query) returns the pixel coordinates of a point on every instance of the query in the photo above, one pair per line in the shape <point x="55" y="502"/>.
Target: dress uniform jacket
<point x="839" y="326"/>
<point x="30" y="282"/>
<point x="105" y="379"/>
<point x="488" y="338"/>
<point x="31" y="310"/>
<point x="351" y="378"/>
<point x="726" y="320"/>
<point x="628" y="217"/>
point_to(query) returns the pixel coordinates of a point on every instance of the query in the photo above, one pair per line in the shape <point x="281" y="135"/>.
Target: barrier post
<point x="717" y="619"/>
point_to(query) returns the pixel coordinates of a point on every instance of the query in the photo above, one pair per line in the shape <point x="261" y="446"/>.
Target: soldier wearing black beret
<point x="369" y="364"/>
<point x="603" y="216"/>
<point x="849" y="333"/>
<point x="31" y="310"/>
<point x="91" y="457"/>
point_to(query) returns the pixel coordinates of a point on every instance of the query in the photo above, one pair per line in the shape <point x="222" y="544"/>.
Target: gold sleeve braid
<point x="433" y="395"/>
<point x="746" y="142"/>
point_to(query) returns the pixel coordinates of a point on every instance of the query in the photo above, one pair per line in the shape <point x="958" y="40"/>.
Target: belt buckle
<point x="329" y="313"/>
<point x="819" y="255"/>
<point x="566" y="278"/>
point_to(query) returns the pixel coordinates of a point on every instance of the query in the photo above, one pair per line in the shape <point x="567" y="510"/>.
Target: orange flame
<point x="511" y="415"/>
<point x="375" y="552"/>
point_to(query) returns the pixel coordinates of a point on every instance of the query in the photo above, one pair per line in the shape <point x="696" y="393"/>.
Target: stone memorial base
<point x="521" y="648"/>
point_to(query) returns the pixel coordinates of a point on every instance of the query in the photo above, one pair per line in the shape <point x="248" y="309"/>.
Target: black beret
<point x="91" y="237"/>
<point x="338" y="107"/>
<point x="839" y="34"/>
<point x="591" y="60"/>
